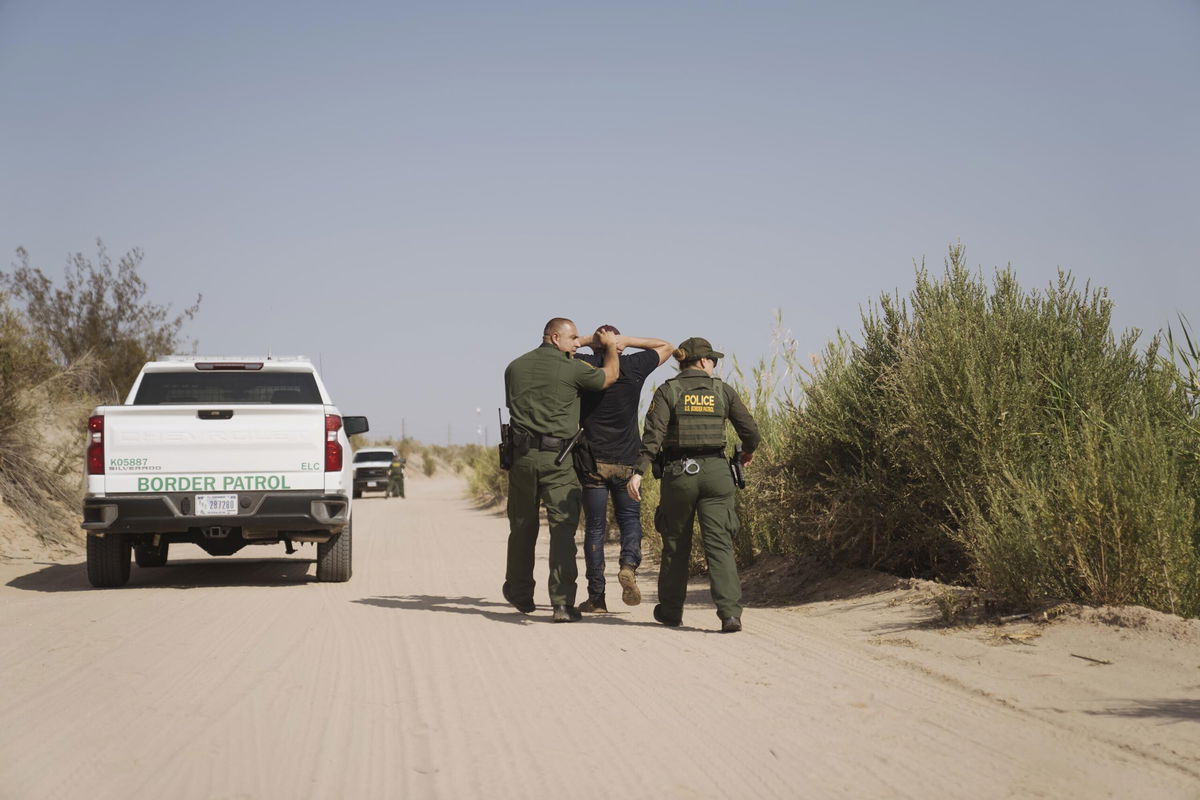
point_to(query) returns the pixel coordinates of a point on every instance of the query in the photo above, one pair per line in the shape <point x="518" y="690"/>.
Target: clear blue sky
<point x="408" y="190"/>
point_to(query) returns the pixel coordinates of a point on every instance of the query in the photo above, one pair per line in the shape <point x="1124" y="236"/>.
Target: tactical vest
<point x="698" y="413"/>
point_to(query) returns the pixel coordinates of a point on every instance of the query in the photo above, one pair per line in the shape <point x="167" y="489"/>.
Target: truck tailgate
<point x="189" y="448"/>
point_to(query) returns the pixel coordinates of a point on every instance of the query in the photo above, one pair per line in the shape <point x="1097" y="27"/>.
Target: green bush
<point x="33" y="391"/>
<point x="98" y="311"/>
<point x="429" y="462"/>
<point x="487" y="484"/>
<point x="995" y="435"/>
<point x="63" y="349"/>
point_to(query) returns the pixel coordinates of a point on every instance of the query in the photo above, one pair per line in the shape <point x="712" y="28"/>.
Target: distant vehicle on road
<point x="222" y="452"/>
<point x="373" y="468"/>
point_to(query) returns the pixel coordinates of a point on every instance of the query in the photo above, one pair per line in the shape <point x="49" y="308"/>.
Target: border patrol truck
<point x="221" y="452"/>
<point x="372" y="469"/>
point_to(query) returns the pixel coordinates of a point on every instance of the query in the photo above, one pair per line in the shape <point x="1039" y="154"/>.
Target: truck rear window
<point x="373" y="455"/>
<point x="226" y="388"/>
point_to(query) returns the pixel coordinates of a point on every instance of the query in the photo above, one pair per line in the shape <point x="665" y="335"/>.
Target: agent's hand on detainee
<point x="634" y="487"/>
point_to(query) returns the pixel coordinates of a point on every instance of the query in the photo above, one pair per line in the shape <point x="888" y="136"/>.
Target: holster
<point x="583" y="459"/>
<point x="658" y="465"/>
<point x="522" y="443"/>
<point x="513" y="444"/>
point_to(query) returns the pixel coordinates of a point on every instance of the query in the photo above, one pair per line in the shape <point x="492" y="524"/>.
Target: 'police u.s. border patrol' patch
<point x="699" y="403"/>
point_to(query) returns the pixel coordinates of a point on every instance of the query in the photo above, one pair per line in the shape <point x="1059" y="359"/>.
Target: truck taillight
<point x="333" y="448"/>
<point x="95" y="450"/>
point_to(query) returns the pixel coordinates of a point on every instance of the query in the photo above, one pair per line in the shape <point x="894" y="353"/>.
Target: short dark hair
<point x="555" y="325"/>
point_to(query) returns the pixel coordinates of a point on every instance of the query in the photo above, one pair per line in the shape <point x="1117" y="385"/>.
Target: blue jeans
<point x="609" y="479"/>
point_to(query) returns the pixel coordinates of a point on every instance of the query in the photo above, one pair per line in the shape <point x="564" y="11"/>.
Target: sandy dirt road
<point x="243" y="678"/>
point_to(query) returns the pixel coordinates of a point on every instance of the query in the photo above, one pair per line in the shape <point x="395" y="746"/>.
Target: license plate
<point x="372" y="483"/>
<point x="216" y="505"/>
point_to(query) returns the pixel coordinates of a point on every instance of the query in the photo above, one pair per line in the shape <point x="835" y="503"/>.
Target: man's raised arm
<point x="664" y="349"/>
<point x="612" y="361"/>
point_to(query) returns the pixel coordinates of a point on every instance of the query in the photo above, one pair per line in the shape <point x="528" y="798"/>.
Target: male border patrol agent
<point x="541" y="389"/>
<point x="685" y="425"/>
<point x="396" y="477"/>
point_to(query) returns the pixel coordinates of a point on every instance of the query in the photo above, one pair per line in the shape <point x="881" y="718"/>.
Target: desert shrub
<point x="1006" y="437"/>
<point x="1109" y="526"/>
<point x="24" y="364"/>
<point x="64" y="349"/>
<point x="97" y="310"/>
<point x="487" y="484"/>
<point x="1183" y="352"/>
<point x="465" y="455"/>
<point x="32" y="390"/>
<point x="772" y="389"/>
<point x="429" y="462"/>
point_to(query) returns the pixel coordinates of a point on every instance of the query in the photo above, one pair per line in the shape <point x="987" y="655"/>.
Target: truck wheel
<point x="357" y="492"/>
<point x="147" y="555"/>
<point x="333" y="557"/>
<point x="108" y="561"/>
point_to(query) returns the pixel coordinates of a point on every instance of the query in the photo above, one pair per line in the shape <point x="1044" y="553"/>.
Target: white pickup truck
<point x="373" y="469"/>
<point x="221" y="452"/>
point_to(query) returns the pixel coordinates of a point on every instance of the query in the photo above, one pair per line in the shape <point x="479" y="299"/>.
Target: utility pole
<point x="403" y="435"/>
<point x="447" y="435"/>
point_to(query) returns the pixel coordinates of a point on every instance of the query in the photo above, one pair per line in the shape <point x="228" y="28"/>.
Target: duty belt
<point x="540" y="442"/>
<point x="706" y="452"/>
<point x="687" y="462"/>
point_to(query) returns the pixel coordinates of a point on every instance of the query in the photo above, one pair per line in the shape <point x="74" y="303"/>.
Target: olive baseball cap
<point x="696" y="347"/>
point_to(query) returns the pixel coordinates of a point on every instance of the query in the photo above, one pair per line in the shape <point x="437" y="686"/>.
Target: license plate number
<point x="213" y="505"/>
<point x="372" y="483"/>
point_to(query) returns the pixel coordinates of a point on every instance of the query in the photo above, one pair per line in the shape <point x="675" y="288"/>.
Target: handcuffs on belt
<point x="689" y="466"/>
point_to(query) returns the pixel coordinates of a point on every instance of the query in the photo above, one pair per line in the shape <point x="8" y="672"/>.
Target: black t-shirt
<point x="610" y="417"/>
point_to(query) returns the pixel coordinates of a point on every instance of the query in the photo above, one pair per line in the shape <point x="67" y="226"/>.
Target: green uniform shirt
<point x="541" y="390"/>
<point x="658" y="420"/>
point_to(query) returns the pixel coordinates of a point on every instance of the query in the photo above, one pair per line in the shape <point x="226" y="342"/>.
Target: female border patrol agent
<point x="685" y="426"/>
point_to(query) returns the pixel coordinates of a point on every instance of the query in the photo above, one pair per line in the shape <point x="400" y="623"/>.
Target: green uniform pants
<point x="709" y="494"/>
<point x="533" y="480"/>
<point x="396" y="485"/>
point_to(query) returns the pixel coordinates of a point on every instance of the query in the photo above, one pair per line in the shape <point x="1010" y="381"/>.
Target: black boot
<point x="524" y="606"/>
<point x="565" y="613"/>
<point x="661" y="616"/>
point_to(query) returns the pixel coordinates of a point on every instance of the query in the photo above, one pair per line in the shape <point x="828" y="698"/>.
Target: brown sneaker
<point x="594" y="606"/>
<point x="631" y="595"/>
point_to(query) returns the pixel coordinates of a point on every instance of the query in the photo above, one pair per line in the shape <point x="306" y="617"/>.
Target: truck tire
<point x="357" y="492"/>
<point x="108" y="561"/>
<point x="148" y="555"/>
<point x="333" y="557"/>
